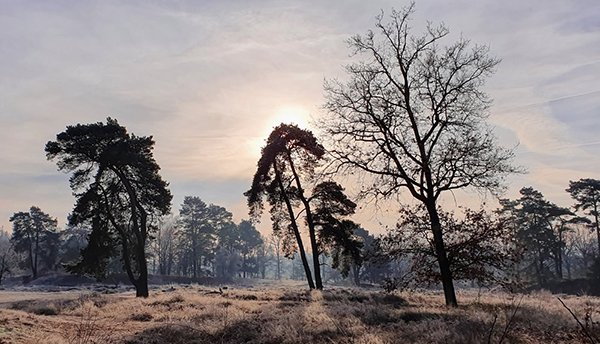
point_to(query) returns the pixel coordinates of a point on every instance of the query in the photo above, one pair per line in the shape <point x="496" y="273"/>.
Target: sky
<point x="210" y="79"/>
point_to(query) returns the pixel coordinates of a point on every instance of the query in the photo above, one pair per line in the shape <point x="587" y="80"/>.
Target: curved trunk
<point x="139" y="227"/>
<point x="311" y="227"/>
<point x="288" y="204"/>
<point x="442" y="257"/>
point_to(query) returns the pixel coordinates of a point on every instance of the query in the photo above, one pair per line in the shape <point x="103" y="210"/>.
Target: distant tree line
<point x="528" y="241"/>
<point x="201" y="241"/>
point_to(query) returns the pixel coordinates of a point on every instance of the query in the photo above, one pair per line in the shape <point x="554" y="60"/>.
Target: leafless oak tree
<point x="413" y="115"/>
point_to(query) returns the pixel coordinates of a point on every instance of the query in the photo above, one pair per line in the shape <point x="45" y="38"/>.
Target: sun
<point x="290" y="115"/>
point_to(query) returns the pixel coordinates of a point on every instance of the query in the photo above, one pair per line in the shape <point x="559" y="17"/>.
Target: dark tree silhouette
<point x="74" y="239"/>
<point x="587" y="194"/>
<point x="479" y="245"/>
<point x="334" y="233"/>
<point x="287" y="164"/>
<point x="201" y="224"/>
<point x="35" y="233"/>
<point x="290" y="154"/>
<point x="539" y="227"/>
<point x="119" y="192"/>
<point x="413" y="116"/>
<point x="250" y="241"/>
<point x="359" y="264"/>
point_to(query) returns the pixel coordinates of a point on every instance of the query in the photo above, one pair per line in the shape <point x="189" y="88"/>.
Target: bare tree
<point x="412" y="115"/>
<point x="7" y="254"/>
<point x="276" y="242"/>
<point x="580" y="250"/>
<point x="164" y="245"/>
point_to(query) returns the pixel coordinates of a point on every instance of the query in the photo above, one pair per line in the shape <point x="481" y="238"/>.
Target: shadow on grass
<point x="244" y="331"/>
<point x="349" y="296"/>
<point x="55" y="307"/>
<point x="296" y="296"/>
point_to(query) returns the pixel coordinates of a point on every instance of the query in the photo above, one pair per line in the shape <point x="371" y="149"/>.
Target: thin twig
<point x="510" y="320"/>
<point x="592" y="340"/>
<point x="492" y="329"/>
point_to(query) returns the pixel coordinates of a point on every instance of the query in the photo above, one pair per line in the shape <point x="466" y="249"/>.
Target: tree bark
<point x="442" y="257"/>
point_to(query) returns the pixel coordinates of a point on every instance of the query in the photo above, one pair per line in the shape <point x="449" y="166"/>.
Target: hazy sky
<point x="209" y="79"/>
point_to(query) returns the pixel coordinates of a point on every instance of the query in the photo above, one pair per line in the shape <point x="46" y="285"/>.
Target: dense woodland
<point x="411" y="118"/>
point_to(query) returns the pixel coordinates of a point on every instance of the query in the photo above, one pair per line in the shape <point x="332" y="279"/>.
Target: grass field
<point x="196" y="314"/>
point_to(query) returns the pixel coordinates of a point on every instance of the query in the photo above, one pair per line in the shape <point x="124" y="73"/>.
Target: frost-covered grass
<point x="293" y="315"/>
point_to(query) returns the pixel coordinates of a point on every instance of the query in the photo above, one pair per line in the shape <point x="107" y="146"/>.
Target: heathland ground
<point x="289" y="313"/>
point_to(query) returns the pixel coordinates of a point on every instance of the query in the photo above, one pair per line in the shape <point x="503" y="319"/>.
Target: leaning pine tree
<point x="119" y="193"/>
<point x="286" y="167"/>
<point x="412" y="115"/>
<point x="290" y="154"/>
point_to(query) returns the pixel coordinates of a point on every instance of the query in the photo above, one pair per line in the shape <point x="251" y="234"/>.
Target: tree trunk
<point x="356" y="274"/>
<point x="598" y="234"/>
<point x="315" y="255"/>
<point x="35" y="254"/>
<point x="295" y="229"/>
<point x="278" y="265"/>
<point x="540" y="269"/>
<point x="442" y="257"/>
<point x="139" y="229"/>
<point x="141" y="285"/>
<point x="33" y="272"/>
<point x="244" y="264"/>
<point x="311" y="284"/>
<point x="194" y="256"/>
<point x="311" y="226"/>
<point x="559" y="260"/>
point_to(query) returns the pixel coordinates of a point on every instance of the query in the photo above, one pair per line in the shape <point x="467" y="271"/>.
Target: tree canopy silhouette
<point x="413" y="116"/>
<point x="287" y="165"/>
<point x="201" y="224"/>
<point x="289" y="152"/>
<point x="35" y="234"/>
<point x="587" y="194"/>
<point x="118" y="191"/>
